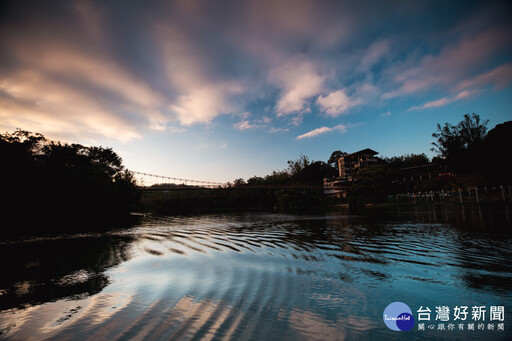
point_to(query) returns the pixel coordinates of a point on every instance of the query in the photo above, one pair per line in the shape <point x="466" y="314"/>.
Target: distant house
<point x="350" y="164"/>
<point x="422" y="178"/>
<point x="421" y="172"/>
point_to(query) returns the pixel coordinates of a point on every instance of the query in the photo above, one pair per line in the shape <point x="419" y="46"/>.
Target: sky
<point x="220" y="90"/>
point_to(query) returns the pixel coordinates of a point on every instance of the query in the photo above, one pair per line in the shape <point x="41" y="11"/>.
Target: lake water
<point x="262" y="276"/>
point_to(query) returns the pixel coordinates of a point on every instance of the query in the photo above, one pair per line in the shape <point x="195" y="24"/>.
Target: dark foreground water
<point x="263" y="276"/>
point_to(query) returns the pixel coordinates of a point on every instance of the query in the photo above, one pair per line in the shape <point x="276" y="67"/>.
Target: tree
<point x="373" y="184"/>
<point x="46" y="181"/>
<point x="407" y="160"/>
<point x="315" y="172"/>
<point x="468" y="133"/>
<point x="304" y="171"/>
<point x="499" y="136"/>
<point x="333" y="159"/>
<point x="278" y="177"/>
<point x="295" y="167"/>
<point x="110" y="162"/>
<point x="495" y="154"/>
<point x="472" y="130"/>
<point x="239" y="182"/>
<point x="255" y="180"/>
<point x="455" y="143"/>
<point x="29" y="142"/>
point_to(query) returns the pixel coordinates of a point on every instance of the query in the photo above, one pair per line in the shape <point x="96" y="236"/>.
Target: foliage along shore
<point x="50" y="186"/>
<point x="471" y="155"/>
<point x="66" y="187"/>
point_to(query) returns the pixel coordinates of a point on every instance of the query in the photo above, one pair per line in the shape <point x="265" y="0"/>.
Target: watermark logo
<point x="398" y="316"/>
<point x="461" y="317"/>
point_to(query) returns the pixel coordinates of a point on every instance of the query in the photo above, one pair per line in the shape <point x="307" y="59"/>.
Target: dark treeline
<point x="48" y="185"/>
<point x="373" y="183"/>
<point x="201" y="200"/>
<point x="407" y="160"/>
<point x="298" y="187"/>
<point x="301" y="172"/>
<point x="468" y="148"/>
<point x="467" y="151"/>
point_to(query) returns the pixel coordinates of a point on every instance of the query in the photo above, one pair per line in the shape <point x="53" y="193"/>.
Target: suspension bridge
<point x="148" y="181"/>
<point x="154" y="182"/>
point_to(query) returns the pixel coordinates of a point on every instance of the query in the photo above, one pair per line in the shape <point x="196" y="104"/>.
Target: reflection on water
<point x="255" y="276"/>
<point x="39" y="270"/>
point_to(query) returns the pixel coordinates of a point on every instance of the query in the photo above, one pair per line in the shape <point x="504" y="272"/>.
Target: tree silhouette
<point x="495" y="154"/>
<point x="333" y="159"/>
<point x="407" y="160"/>
<point x="297" y="166"/>
<point x="456" y="143"/>
<point x="51" y="183"/>
<point x="373" y="184"/>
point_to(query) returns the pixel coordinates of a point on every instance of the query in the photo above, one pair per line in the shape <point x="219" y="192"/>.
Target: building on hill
<point x="348" y="166"/>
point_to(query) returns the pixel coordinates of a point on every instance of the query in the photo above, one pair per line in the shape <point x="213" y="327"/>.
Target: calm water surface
<point x="256" y="276"/>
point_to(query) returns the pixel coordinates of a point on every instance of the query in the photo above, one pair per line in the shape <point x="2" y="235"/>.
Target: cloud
<point x="465" y="94"/>
<point x="201" y="97"/>
<point x="278" y="130"/>
<point x="66" y="93"/>
<point x="81" y="89"/>
<point x="322" y="130"/>
<point x="245" y="115"/>
<point x="245" y="125"/>
<point x="172" y="129"/>
<point x="74" y="82"/>
<point x="264" y="122"/>
<point x="336" y="103"/>
<point x="119" y="70"/>
<point x="452" y="65"/>
<point x="375" y="52"/>
<point x="445" y="100"/>
<point x="437" y="103"/>
<point x="200" y="105"/>
<point x="37" y="103"/>
<point x="500" y="77"/>
<point x="299" y="80"/>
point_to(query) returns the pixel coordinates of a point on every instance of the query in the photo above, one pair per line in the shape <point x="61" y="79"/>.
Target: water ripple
<point x="243" y="277"/>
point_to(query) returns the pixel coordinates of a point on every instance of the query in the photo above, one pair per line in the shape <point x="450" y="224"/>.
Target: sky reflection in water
<point x="255" y="276"/>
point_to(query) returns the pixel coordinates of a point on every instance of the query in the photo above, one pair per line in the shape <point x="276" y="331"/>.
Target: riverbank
<point x="187" y="201"/>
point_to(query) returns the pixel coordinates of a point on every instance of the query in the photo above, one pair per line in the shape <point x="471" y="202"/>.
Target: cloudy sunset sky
<point x="218" y="90"/>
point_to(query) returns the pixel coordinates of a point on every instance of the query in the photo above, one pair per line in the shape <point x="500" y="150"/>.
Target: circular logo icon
<point x="398" y="316"/>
